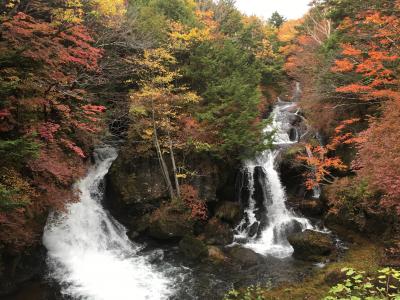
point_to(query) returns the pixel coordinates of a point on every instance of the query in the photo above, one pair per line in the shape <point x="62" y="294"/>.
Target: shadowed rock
<point x="311" y="245"/>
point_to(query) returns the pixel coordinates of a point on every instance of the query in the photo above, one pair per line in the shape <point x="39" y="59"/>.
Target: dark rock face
<point x="135" y="185"/>
<point x="312" y="208"/>
<point x="293" y="135"/>
<point x="254" y="229"/>
<point x="230" y="212"/>
<point x="242" y="189"/>
<point x="261" y="194"/>
<point x="193" y="248"/>
<point x="244" y="257"/>
<point x="18" y="270"/>
<point x="311" y="245"/>
<point x="139" y="179"/>
<point x="218" y="233"/>
<point x="136" y="180"/>
<point x="308" y="207"/>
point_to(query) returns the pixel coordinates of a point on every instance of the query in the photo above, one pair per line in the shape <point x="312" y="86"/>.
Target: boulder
<point x="253" y="231"/>
<point x="311" y="245"/>
<point x="215" y="254"/>
<point x="244" y="257"/>
<point x="133" y="180"/>
<point x="293" y="227"/>
<point x="193" y="248"/>
<point x="218" y="233"/>
<point x="230" y="212"/>
<point x="170" y="222"/>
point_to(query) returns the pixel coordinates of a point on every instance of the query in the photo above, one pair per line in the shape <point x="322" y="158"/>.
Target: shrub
<point x="253" y="292"/>
<point x="357" y="286"/>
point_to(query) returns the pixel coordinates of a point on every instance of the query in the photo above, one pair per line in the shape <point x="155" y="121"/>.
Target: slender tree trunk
<point x="171" y="151"/>
<point x="161" y="160"/>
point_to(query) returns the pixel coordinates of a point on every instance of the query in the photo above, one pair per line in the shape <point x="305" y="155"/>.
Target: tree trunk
<point x="171" y="151"/>
<point x="161" y="160"/>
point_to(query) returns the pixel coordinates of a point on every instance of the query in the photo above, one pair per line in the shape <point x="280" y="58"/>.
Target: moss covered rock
<point x="311" y="245"/>
<point x="170" y="222"/>
<point x="230" y="212"/>
<point x="244" y="257"/>
<point x="218" y="233"/>
<point x="215" y="254"/>
<point x="193" y="248"/>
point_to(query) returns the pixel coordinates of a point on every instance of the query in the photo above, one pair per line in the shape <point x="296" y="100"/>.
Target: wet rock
<point x="156" y="256"/>
<point x="169" y="222"/>
<point x="262" y="194"/>
<point x="311" y="245"/>
<point x="242" y="187"/>
<point x="140" y="224"/>
<point x="218" y="233"/>
<point x="253" y="230"/>
<point x="229" y="211"/>
<point x="193" y="248"/>
<point x="244" y="257"/>
<point x="215" y="254"/>
<point x="293" y="227"/>
<point x="312" y="208"/>
<point x="293" y="134"/>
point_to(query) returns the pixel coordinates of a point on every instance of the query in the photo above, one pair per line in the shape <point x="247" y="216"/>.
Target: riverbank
<point x="362" y="254"/>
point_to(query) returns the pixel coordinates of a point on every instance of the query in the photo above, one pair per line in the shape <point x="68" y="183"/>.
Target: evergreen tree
<point x="276" y="20"/>
<point x="227" y="78"/>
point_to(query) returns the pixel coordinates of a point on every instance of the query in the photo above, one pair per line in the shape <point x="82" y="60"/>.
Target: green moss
<point x="362" y="255"/>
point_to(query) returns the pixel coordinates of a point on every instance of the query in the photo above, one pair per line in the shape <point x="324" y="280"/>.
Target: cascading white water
<point x="89" y="253"/>
<point x="280" y="221"/>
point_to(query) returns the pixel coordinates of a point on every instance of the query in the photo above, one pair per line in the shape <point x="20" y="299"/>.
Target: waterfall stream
<point x="89" y="253"/>
<point x="267" y="221"/>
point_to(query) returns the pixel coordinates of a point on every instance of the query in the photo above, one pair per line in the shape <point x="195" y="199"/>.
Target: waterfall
<point x="268" y="233"/>
<point x="89" y="253"/>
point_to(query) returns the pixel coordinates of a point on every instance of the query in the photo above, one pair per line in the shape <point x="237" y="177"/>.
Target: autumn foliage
<point x="198" y="207"/>
<point x="321" y="161"/>
<point x="375" y="62"/>
<point x="353" y="73"/>
<point x="47" y="116"/>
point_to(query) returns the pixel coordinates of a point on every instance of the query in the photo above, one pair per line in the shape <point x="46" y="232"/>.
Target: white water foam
<point x="89" y="253"/>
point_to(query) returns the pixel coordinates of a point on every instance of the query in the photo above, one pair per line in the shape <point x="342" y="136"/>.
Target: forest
<point x="181" y="149"/>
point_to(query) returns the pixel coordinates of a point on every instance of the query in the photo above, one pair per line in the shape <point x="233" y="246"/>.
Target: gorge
<point x="181" y="149"/>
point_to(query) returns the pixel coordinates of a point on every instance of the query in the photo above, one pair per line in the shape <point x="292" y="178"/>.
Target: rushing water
<point x="266" y="225"/>
<point x="89" y="253"/>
